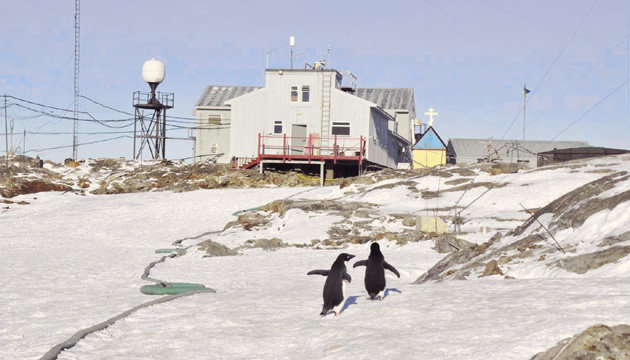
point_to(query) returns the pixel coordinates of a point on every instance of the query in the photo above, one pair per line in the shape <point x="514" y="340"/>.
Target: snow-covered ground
<point x="69" y="262"/>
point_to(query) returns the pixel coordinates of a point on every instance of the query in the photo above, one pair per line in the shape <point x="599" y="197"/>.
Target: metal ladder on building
<point x="326" y="91"/>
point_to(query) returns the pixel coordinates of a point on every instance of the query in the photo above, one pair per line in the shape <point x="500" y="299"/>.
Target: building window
<point x="214" y="119"/>
<point x="341" y="128"/>
<point x="306" y="93"/>
<point x="214" y="148"/>
<point x="277" y="127"/>
<point x="294" y="93"/>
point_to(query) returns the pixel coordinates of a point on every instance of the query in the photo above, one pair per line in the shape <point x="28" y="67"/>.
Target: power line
<point x="574" y="84"/>
<point x="41" y="105"/>
<point x="86" y="143"/>
<point x="533" y="92"/>
<point x="105" y="106"/>
<point x="558" y="29"/>
<point x="57" y="116"/>
<point x="589" y="110"/>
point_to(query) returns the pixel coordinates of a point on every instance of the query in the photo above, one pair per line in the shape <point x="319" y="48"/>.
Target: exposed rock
<point x="22" y="186"/>
<point x="583" y="203"/>
<point x="506" y="168"/>
<point x="457" y="258"/>
<point x="456" y="181"/>
<point x="251" y="219"/>
<point x="338" y="233"/>
<point x="215" y="249"/>
<point x="266" y="244"/>
<point x="489" y="185"/>
<point x="585" y="262"/>
<point x="615" y="239"/>
<point x="356" y="239"/>
<point x="596" y="342"/>
<point x="409" y="221"/>
<point x="462" y="172"/>
<point x="449" y="243"/>
<point x="492" y="268"/>
<point x="277" y="206"/>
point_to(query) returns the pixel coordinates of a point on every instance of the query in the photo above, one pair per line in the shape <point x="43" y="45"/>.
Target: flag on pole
<point x="525" y="90"/>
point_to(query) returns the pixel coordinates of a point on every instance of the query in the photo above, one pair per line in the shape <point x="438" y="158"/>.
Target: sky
<point x="468" y="59"/>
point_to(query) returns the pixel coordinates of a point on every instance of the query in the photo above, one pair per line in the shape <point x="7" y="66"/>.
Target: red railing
<point x="312" y="147"/>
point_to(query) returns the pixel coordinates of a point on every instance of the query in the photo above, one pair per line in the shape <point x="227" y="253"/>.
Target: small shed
<point x="562" y="155"/>
<point x="429" y="150"/>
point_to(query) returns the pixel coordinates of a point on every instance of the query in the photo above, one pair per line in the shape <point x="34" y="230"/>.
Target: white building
<point x="305" y="115"/>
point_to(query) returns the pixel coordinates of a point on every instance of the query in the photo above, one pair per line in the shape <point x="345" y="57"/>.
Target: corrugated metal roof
<point x="481" y="148"/>
<point x="216" y="95"/>
<point x="395" y="99"/>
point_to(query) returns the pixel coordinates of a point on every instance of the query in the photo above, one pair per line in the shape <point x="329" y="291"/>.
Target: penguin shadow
<point x="388" y="290"/>
<point x="351" y="300"/>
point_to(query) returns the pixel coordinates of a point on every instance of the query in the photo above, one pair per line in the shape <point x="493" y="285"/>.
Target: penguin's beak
<point x="350" y="256"/>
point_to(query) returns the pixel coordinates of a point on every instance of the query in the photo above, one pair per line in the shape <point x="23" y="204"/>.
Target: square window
<point x="277" y="127"/>
<point x="214" y="119"/>
<point x="214" y="148"/>
<point x="294" y="93"/>
<point x="306" y="93"/>
<point x="341" y="128"/>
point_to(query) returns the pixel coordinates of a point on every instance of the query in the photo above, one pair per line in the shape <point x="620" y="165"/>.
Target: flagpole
<point x="524" y="103"/>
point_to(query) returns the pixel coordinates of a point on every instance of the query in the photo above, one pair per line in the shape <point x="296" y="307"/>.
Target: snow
<point x="70" y="261"/>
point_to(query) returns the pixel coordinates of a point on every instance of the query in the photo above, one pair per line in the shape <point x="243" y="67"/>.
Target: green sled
<point x="170" y="288"/>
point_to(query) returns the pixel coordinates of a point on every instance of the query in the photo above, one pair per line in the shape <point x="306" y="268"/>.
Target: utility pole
<point x="76" y="77"/>
<point x="6" y="132"/>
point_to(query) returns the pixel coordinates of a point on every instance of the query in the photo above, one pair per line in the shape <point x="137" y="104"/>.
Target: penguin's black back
<point x="375" y="271"/>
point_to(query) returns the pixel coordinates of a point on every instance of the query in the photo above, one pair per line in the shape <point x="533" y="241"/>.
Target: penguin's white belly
<point x="337" y="309"/>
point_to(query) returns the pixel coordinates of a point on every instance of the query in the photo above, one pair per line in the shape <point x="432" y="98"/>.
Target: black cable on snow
<point x="53" y="353"/>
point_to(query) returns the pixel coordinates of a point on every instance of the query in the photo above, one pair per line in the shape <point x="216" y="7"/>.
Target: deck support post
<point x="321" y="173"/>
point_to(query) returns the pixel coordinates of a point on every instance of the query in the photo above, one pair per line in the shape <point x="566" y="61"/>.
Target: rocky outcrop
<point x="212" y="248"/>
<point x="596" y="342"/>
<point x="451" y="265"/>
<point x="448" y="243"/>
<point x="582" y="263"/>
<point x="583" y="202"/>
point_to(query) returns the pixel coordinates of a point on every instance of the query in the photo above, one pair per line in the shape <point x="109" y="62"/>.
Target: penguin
<point x="335" y="285"/>
<point x="375" y="272"/>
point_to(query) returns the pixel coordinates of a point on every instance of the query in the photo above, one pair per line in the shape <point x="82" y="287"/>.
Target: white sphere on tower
<point x="153" y="71"/>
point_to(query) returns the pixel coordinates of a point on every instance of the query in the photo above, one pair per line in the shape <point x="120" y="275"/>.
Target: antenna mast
<point x="76" y="77"/>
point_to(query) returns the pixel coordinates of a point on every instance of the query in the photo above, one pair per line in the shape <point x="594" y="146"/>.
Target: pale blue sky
<point x="466" y="58"/>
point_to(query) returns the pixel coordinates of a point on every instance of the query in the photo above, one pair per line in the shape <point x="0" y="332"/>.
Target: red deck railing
<point x="312" y="147"/>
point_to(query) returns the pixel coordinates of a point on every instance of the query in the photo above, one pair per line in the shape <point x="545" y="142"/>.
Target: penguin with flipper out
<point x="335" y="285"/>
<point x="375" y="272"/>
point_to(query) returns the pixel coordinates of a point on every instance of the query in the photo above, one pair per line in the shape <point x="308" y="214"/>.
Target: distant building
<point x="212" y="137"/>
<point x="562" y="155"/>
<point x="470" y="151"/>
<point x="429" y="150"/>
<point x="305" y="115"/>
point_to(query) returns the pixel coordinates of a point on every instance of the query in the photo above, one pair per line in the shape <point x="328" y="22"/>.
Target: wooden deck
<point x="287" y="149"/>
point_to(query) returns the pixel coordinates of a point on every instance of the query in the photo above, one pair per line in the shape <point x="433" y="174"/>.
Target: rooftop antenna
<point x="76" y="77"/>
<point x="292" y="43"/>
<point x="152" y="132"/>
<point x="328" y="57"/>
<point x="267" y="56"/>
